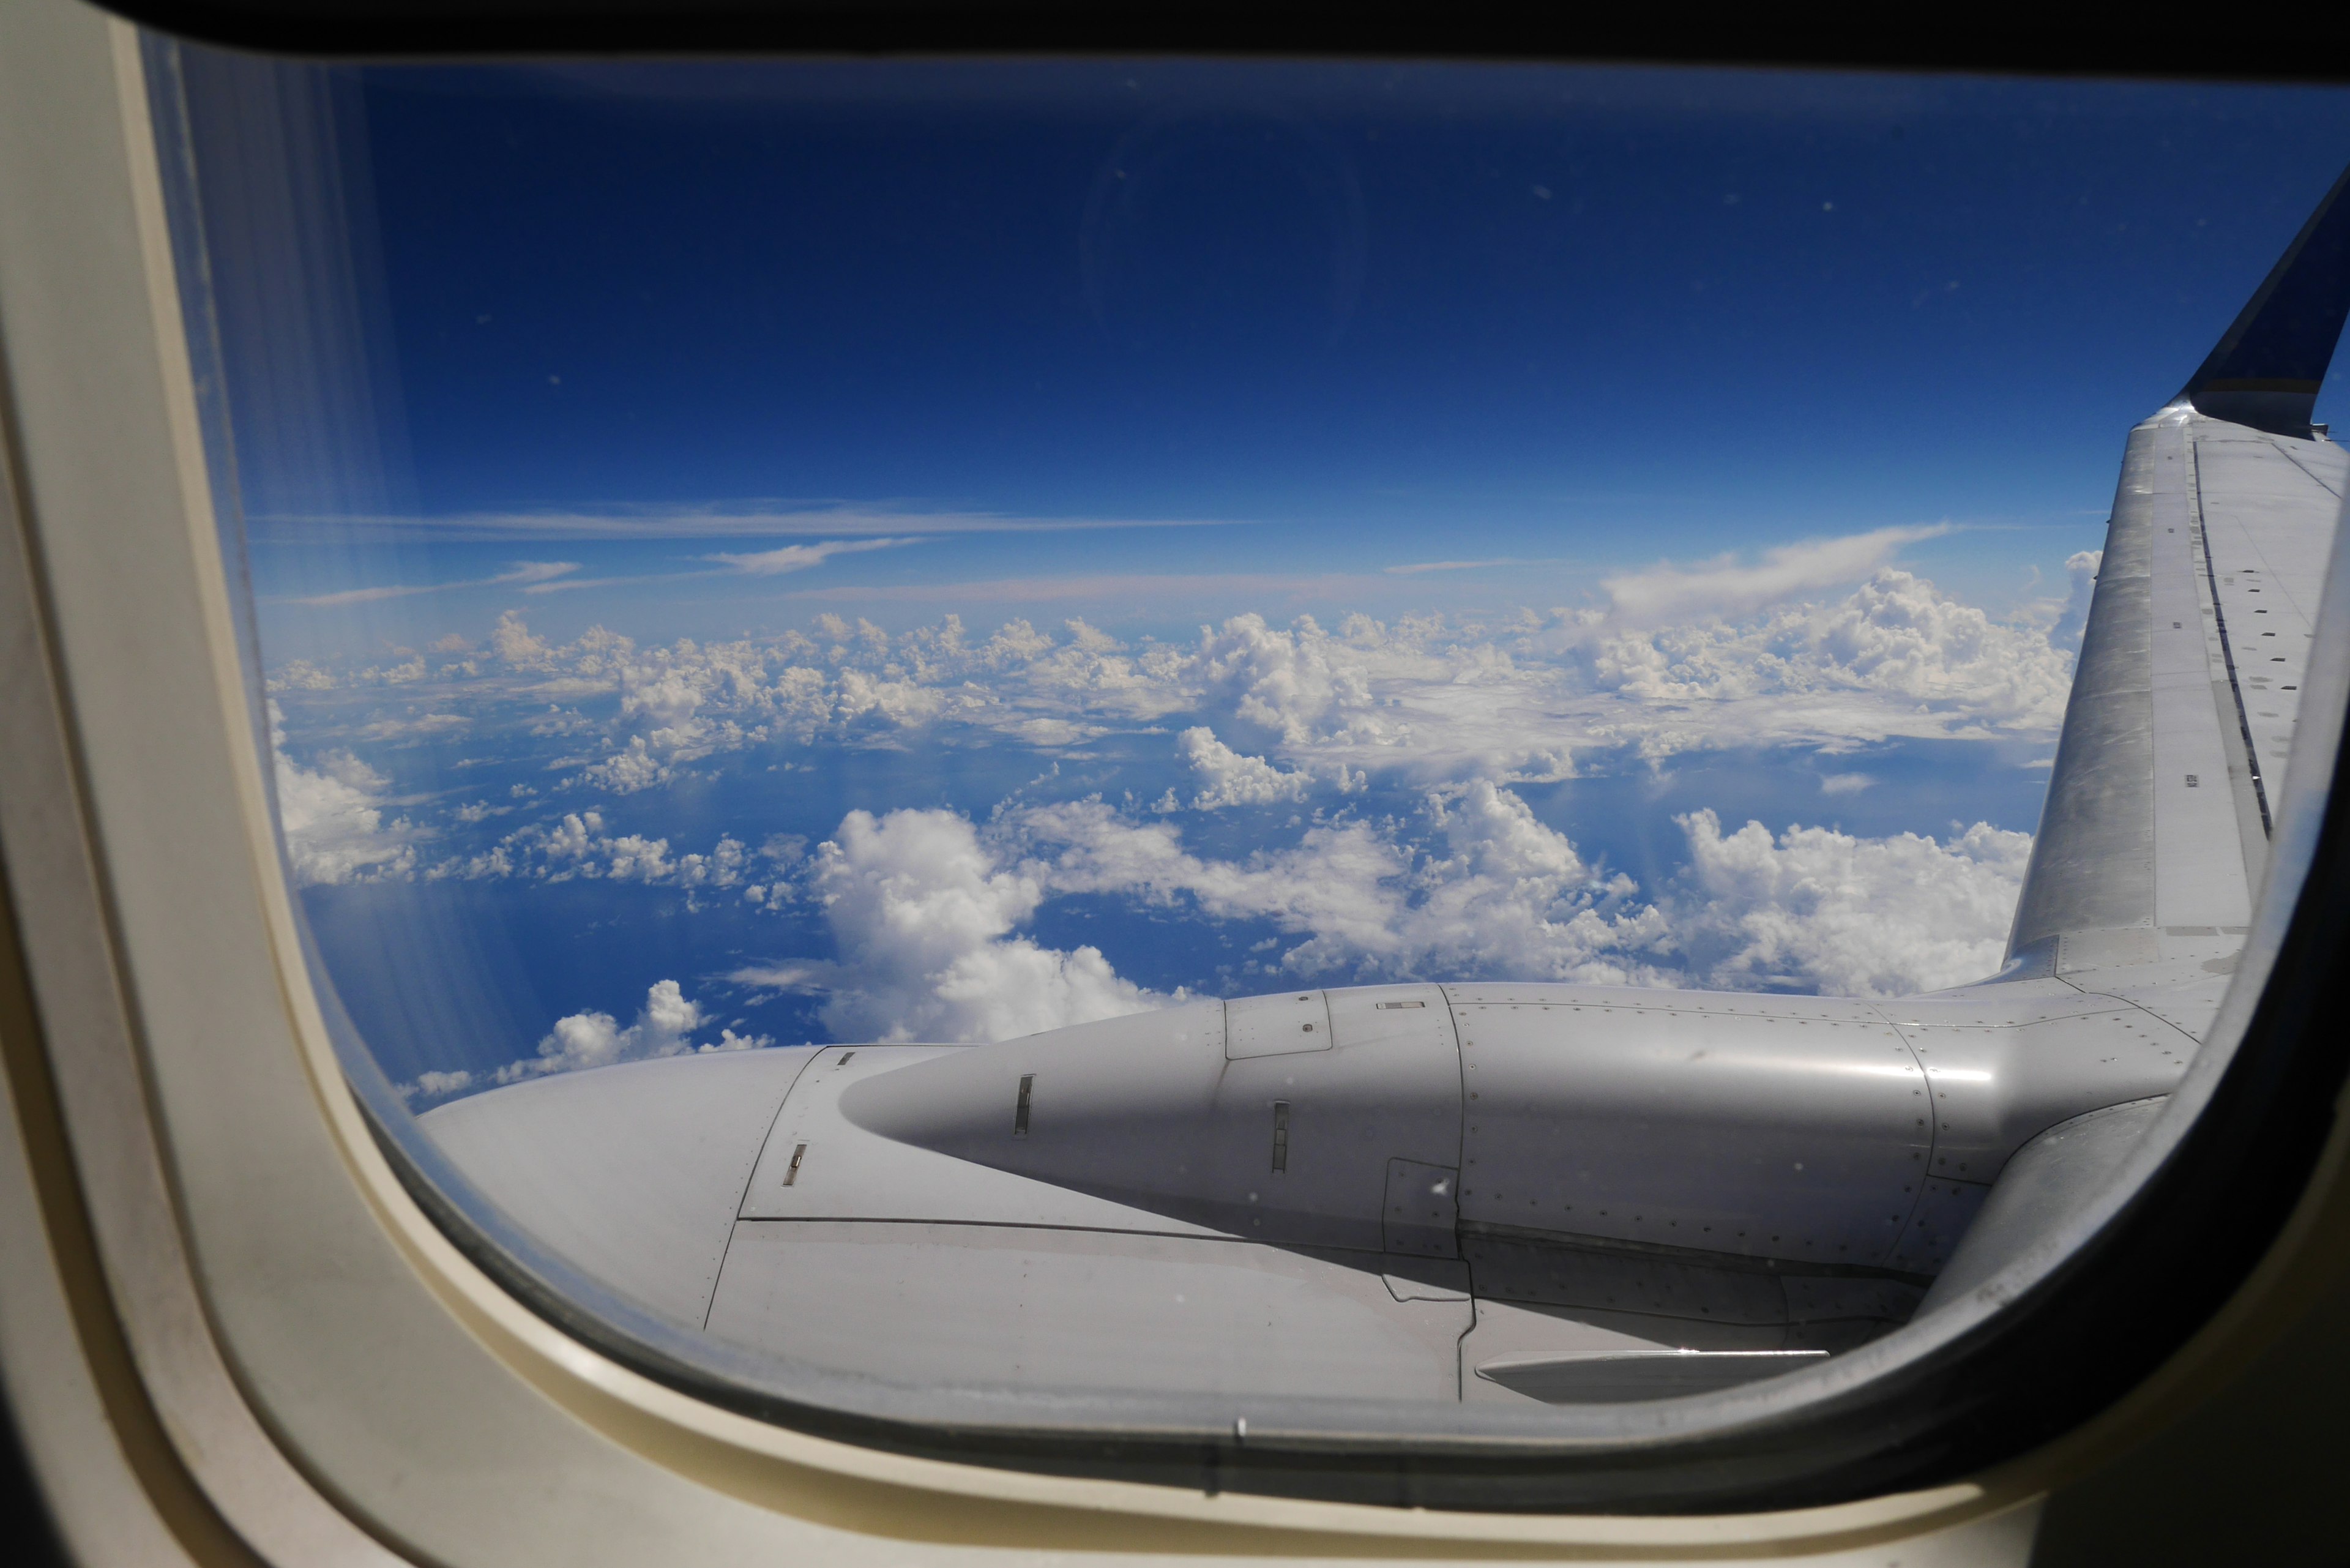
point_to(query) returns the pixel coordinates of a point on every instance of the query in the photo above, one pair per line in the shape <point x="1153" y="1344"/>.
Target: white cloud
<point x="2081" y="569"/>
<point x="1419" y="699"/>
<point x="800" y="558"/>
<point x="929" y="913"/>
<point x="665" y="1026"/>
<point x="1486" y="890"/>
<point x="533" y="572"/>
<point x="514" y="643"/>
<point x="301" y="675"/>
<point x="744" y="518"/>
<point x="1228" y="778"/>
<point x="923" y="918"/>
<point x="804" y="978"/>
<point x="411" y="726"/>
<point x="1726" y="588"/>
<point x="521" y="571"/>
<point x="926" y="913"/>
<point x="433" y="1085"/>
<point x="331" y="817"/>
<point x="1299" y="683"/>
<point x="1416" y="568"/>
<point x="577" y="846"/>
<point x="1895" y="658"/>
<point x="1818" y="910"/>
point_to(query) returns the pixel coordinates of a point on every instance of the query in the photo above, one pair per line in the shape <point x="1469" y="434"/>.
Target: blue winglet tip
<point x="2268" y="365"/>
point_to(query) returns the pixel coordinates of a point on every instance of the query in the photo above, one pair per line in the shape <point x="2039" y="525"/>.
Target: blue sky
<point x="930" y="551"/>
<point x="1354" y="313"/>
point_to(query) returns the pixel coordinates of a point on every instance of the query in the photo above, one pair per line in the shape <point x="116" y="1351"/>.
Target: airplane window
<point x="1479" y="737"/>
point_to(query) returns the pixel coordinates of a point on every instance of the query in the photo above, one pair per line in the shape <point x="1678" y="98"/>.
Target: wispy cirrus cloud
<point x="553" y="577"/>
<point x="756" y="564"/>
<point x="1118" y="588"/>
<point x="568" y="585"/>
<point x="800" y="558"/>
<point x="1417" y="568"/>
<point x="698" y="520"/>
<point x="530" y="575"/>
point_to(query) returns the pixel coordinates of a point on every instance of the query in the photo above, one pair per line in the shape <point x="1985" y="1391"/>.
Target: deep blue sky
<point x="1393" y="313"/>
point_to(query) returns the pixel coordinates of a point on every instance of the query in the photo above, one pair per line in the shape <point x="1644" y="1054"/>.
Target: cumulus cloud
<point x="301" y="675"/>
<point x="1483" y="890"/>
<point x="803" y="977"/>
<point x="2081" y="572"/>
<point x="923" y="920"/>
<point x="1228" y="778"/>
<point x="925" y="911"/>
<point x="1298" y="683"/>
<point x="513" y="642"/>
<point x="925" y="907"/>
<point x="1726" y="587"/>
<point x="1814" y="909"/>
<point x="1895" y="658"/>
<point x="434" y="1085"/>
<point x="578" y="846"/>
<point x="331" y="817"/>
<point x="664" y="1026"/>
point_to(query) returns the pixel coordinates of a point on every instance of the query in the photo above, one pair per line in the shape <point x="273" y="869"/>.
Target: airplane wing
<point x="2155" y="835"/>
<point x="1515" y="1193"/>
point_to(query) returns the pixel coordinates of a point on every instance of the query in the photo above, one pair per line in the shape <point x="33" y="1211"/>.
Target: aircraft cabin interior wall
<point x="854" y="787"/>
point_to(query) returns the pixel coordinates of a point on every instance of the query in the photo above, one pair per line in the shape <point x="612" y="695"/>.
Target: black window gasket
<point x="2063" y="1350"/>
<point x="2082" y="43"/>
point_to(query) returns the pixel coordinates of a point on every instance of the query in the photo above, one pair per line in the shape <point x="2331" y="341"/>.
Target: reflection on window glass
<point x="1270" y="730"/>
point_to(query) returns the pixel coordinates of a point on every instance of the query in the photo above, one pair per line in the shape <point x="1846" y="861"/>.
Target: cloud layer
<point x="926" y="910"/>
<point x="1423" y="699"/>
<point x="1353" y="798"/>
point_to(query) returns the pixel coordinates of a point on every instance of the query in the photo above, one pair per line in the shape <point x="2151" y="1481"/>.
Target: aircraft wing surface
<point x="2154" y="839"/>
<point x="2186" y="695"/>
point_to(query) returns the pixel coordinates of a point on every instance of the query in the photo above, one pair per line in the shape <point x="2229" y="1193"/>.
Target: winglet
<point x="2266" y="369"/>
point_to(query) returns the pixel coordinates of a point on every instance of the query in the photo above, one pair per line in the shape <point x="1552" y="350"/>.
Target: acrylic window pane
<point x="1271" y="730"/>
